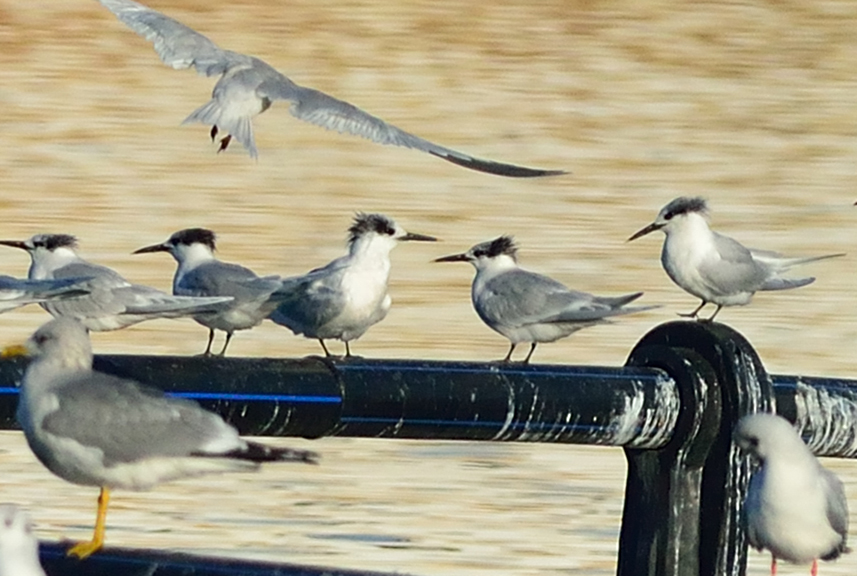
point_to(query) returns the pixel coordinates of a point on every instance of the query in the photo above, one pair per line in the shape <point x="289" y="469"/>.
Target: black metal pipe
<point x="316" y="396"/>
<point x="131" y="562"/>
<point x="824" y="410"/>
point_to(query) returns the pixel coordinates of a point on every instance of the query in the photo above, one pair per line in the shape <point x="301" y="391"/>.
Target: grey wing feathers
<point x="99" y="276"/>
<point x="599" y="308"/>
<point x="176" y="44"/>
<point x="127" y="421"/>
<point x="307" y="303"/>
<point x="735" y="271"/>
<point x="837" y="510"/>
<point x="751" y="509"/>
<point x="224" y="279"/>
<point x="785" y="283"/>
<point x="137" y="299"/>
<point x="519" y="297"/>
<point x="328" y="112"/>
<point x="14" y="290"/>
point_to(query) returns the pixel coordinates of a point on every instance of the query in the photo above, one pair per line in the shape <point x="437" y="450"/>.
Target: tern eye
<point x="668" y="216"/>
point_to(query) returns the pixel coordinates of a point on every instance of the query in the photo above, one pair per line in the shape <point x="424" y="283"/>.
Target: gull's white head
<point x="62" y="342"/>
<point x="19" y="548"/>
<point x="679" y="212"/>
<point x="767" y="435"/>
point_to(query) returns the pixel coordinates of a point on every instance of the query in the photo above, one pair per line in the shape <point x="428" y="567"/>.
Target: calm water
<point x="753" y="105"/>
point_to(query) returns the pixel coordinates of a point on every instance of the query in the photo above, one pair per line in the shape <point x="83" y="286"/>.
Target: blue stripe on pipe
<point x="238" y="397"/>
<point x="259" y="397"/>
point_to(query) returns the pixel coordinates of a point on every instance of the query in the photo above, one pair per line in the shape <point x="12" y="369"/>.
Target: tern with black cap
<point x="349" y="295"/>
<point x="715" y="268"/>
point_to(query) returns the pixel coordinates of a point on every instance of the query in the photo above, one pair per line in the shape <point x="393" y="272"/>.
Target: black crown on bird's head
<point x="53" y="241"/>
<point x="366" y="223"/>
<point x="190" y="236"/>
<point x="501" y="245"/>
<point x="684" y="205"/>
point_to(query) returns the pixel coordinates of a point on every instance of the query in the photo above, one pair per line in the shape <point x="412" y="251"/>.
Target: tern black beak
<point x="152" y="248"/>
<point x="14" y="244"/>
<point x="453" y="258"/>
<point x="417" y="238"/>
<point x="650" y="228"/>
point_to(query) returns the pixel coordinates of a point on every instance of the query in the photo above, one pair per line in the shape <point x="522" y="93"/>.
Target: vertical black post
<point x="683" y="502"/>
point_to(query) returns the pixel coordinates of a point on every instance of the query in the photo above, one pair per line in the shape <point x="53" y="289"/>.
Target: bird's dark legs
<point x="210" y="341"/>
<point x="326" y="351"/>
<point x="530" y="355"/>
<point x="225" y="344"/>
<point x="347" y="350"/>
<point x="695" y="313"/>
<point x="711" y="318"/>
<point x="508" y="357"/>
<point x="224" y="143"/>
<point x="213" y="132"/>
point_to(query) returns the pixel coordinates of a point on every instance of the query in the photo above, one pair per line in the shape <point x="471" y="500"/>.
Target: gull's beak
<point x="153" y="248"/>
<point x="453" y="258"/>
<point x="650" y="228"/>
<point x="417" y="238"/>
<point x="14" y="244"/>
<point x="14" y="351"/>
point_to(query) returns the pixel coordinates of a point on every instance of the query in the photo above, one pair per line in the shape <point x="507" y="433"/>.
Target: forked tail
<point x="240" y="127"/>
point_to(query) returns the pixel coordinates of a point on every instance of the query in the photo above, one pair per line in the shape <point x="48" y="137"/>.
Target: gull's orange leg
<point x="773" y="565"/>
<point x="84" y="549"/>
<point x="814" y="571"/>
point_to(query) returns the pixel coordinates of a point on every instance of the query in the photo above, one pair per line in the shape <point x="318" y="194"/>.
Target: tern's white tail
<point x="240" y="127"/>
<point x="781" y="263"/>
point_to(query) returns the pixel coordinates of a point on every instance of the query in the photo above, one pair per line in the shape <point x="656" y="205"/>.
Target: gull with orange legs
<point x="95" y="429"/>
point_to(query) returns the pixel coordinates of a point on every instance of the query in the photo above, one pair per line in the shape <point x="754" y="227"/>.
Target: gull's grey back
<point x="837" y="511"/>
<point x="142" y="421"/>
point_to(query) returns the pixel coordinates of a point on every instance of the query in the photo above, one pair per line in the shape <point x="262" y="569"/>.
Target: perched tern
<point x="795" y="508"/>
<point x="112" y="302"/>
<point x="19" y="548"/>
<point x="248" y="86"/>
<point x="344" y="298"/>
<point x="200" y="273"/>
<point x="94" y="429"/>
<point x="527" y="307"/>
<point x="713" y="267"/>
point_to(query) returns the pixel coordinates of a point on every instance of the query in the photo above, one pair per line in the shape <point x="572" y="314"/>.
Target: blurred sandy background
<point x="753" y="105"/>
